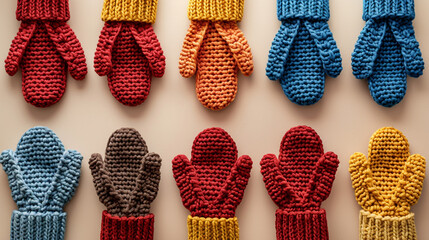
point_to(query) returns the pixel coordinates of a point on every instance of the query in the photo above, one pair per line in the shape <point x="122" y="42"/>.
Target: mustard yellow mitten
<point x="387" y="184"/>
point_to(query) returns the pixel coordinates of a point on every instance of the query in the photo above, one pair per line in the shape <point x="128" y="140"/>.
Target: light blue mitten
<point x="387" y="50"/>
<point x="43" y="177"/>
<point x="304" y="50"/>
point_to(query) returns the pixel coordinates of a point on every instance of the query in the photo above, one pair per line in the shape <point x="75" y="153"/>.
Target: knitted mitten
<point x="214" y="49"/>
<point x="212" y="185"/>
<point x="45" y="47"/>
<point x="126" y="183"/>
<point x="298" y="182"/>
<point x="386" y="185"/>
<point x="43" y="177"/>
<point x="387" y="50"/>
<point x="128" y="51"/>
<point x="303" y="50"/>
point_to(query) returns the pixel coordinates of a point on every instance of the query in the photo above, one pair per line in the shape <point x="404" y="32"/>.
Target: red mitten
<point x="128" y="51"/>
<point x="298" y="182"/>
<point x="45" y="47"/>
<point x="212" y="185"/>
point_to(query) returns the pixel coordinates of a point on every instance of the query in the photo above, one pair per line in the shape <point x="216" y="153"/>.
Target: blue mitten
<point x="42" y="176"/>
<point x="304" y="50"/>
<point x="387" y="50"/>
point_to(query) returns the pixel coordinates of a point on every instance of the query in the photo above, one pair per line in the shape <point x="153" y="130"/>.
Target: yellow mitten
<point x="387" y="184"/>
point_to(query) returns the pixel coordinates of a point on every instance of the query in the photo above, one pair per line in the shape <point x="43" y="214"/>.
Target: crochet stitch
<point x="214" y="49"/>
<point x="45" y="48"/>
<point x="304" y="50"/>
<point x="387" y="184"/>
<point x="387" y="50"/>
<point x="43" y="177"/>
<point x="126" y="182"/>
<point x="128" y="50"/>
<point x="212" y="185"/>
<point x="298" y="182"/>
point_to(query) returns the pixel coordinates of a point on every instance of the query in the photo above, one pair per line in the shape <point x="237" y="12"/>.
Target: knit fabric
<point x="298" y="182"/>
<point x="126" y="182"/>
<point x="45" y="48"/>
<point x="303" y="51"/>
<point x="219" y="10"/>
<point x="128" y="50"/>
<point x="212" y="185"/>
<point x="387" y="50"/>
<point x="212" y="228"/>
<point x="387" y="184"/>
<point x="129" y="10"/>
<point x="43" y="177"/>
<point x="214" y="49"/>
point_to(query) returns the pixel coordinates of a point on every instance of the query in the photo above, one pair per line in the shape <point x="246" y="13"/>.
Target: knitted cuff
<point x="126" y="228"/>
<point x="212" y="228"/>
<point x="53" y="10"/>
<point x="36" y="226"/>
<point x="375" y="227"/>
<point x="310" y="224"/>
<point x="125" y="10"/>
<point x="308" y="9"/>
<point x="377" y="9"/>
<point x="221" y="10"/>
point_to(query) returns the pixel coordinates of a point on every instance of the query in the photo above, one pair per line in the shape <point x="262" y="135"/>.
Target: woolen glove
<point x="212" y="185"/>
<point x="304" y="50"/>
<point x="128" y="51"/>
<point x="387" y="50"/>
<point x="298" y="182"/>
<point x="45" y="48"/>
<point x="387" y="184"/>
<point x="126" y="182"/>
<point x="43" y="177"/>
<point x="214" y="49"/>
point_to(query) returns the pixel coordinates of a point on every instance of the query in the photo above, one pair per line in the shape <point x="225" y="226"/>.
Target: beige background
<point x="171" y="117"/>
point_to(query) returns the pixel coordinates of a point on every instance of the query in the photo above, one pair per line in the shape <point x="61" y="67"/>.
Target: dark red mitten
<point x="45" y="48"/>
<point x="298" y="182"/>
<point x="128" y="51"/>
<point x="212" y="185"/>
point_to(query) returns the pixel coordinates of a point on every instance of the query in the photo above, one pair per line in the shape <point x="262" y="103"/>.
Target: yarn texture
<point x="45" y="48"/>
<point x="387" y="50"/>
<point x="43" y="177"/>
<point x="212" y="185"/>
<point x="298" y="181"/>
<point x="214" y="49"/>
<point x="128" y="50"/>
<point x="303" y="51"/>
<point x="126" y="182"/>
<point x="387" y="184"/>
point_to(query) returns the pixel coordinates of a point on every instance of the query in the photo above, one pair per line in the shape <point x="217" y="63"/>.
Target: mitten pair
<point x="43" y="177"/>
<point x="387" y="50"/>
<point x="387" y="184"/>
<point x="126" y="182"/>
<point x="212" y="185"/>
<point x="303" y="51"/>
<point x="298" y="181"/>
<point x="128" y="51"/>
<point x="45" y="48"/>
<point x="214" y="49"/>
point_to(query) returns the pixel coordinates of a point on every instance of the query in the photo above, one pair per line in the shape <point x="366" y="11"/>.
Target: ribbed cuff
<point x="36" y="226"/>
<point x="297" y="225"/>
<point x="125" y="10"/>
<point x="377" y="9"/>
<point x="53" y="10"/>
<point x="126" y="228"/>
<point x="212" y="228"/>
<point x="222" y="10"/>
<point x="375" y="227"/>
<point x="307" y="9"/>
